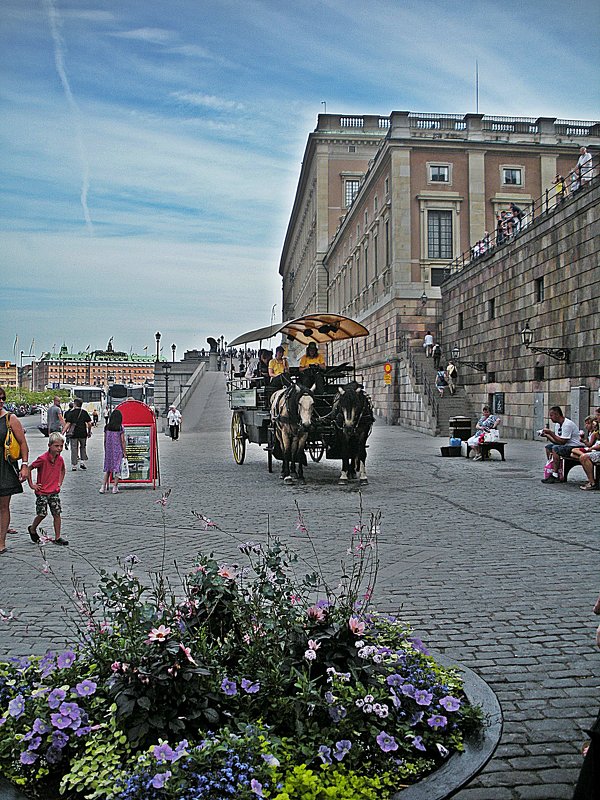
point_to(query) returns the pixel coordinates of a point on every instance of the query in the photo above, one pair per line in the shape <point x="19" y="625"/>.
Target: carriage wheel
<point x="316" y="450"/>
<point x="238" y="438"/>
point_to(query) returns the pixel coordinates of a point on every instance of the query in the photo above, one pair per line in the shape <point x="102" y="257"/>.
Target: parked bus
<point x="121" y="391"/>
<point x="92" y="397"/>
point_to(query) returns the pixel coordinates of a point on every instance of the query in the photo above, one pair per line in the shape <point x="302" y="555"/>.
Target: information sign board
<point x="141" y="443"/>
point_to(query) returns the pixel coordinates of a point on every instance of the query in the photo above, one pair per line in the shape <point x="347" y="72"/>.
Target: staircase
<point x="422" y="373"/>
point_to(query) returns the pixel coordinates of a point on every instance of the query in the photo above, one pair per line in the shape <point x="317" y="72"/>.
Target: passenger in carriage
<point x="312" y="367"/>
<point x="279" y="369"/>
<point x="259" y="368"/>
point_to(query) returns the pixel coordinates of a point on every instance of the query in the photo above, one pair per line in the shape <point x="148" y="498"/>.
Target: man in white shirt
<point x="584" y="166"/>
<point x="561" y="440"/>
<point x="174" y="420"/>
<point x="428" y="344"/>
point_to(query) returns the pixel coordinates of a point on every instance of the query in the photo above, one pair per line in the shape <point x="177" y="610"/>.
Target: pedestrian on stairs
<point x="428" y="344"/>
<point x="437" y="355"/>
<point x="452" y="375"/>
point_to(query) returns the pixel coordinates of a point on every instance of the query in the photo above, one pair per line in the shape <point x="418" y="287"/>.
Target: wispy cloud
<point x="149" y="35"/>
<point x="54" y="21"/>
<point x="210" y="101"/>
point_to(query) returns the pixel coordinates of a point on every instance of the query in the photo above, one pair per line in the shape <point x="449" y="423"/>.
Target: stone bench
<point x="569" y="463"/>
<point x="485" y="447"/>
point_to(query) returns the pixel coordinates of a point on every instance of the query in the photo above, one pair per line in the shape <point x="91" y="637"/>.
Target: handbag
<point x="124" y="469"/>
<point x="492" y="435"/>
<point x="12" y="449"/>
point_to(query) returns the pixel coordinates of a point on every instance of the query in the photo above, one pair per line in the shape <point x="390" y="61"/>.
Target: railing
<point x="509" y="228"/>
<point x="420" y="378"/>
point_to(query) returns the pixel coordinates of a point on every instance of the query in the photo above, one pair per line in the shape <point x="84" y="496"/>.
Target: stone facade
<point x="550" y="276"/>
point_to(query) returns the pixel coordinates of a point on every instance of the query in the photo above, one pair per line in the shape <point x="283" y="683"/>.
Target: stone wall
<point x="559" y="255"/>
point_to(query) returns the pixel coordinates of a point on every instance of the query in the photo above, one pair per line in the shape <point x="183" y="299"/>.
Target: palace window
<point x="439" y="173"/>
<point x="512" y="176"/>
<point x="439" y="234"/>
<point x="351" y="187"/>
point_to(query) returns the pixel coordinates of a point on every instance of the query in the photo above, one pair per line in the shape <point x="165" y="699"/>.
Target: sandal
<point x="589" y="487"/>
<point x="3" y="551"/>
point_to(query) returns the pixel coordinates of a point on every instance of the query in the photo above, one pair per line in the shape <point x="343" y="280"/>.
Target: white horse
<point x="292" y="413"/>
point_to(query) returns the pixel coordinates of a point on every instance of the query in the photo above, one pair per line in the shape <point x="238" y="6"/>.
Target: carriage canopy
<point x="320" y="328"/>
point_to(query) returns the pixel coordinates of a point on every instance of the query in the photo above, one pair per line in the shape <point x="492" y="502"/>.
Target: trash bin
<point x="460" y="427"/>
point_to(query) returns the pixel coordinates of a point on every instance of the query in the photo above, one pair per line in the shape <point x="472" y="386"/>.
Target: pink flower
<point x="188" y="653"/>
<point x="368" y="594"/>
<point x="163" y="500"/>
<point x="315" y="613"/>
<point x="115" y="666"/>
<point x="227" y="572"/>
<point x="295" y="598"/>
<point x="356" y="625"/>
<point x="158" y="634"/>
<point x="313" y="645"/>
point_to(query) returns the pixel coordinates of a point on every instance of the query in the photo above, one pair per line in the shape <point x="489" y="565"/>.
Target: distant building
<point x="8" y="374"/>
<point x="94" y="368"/>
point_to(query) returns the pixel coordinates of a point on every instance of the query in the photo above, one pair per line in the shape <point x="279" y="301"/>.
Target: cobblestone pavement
<point x="490" y="566"/>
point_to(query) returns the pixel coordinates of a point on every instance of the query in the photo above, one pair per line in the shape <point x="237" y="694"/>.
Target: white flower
<point x="310" y="655"/>
<point x="367" y="708"/>
<point x="359" y="703"/>
<point x="377" y="659"/>
<point x="359" y="644"/>
<point x="369" y="698"/>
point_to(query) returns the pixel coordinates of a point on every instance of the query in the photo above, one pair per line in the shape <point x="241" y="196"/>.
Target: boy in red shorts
<point x="50" y="475"/>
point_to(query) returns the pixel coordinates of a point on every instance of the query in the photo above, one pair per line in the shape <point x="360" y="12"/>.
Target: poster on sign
<point x="141" y="443"/>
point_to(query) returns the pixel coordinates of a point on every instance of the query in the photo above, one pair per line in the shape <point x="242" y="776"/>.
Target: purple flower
<point x="163" y="752"/>
<point x="66" y="659"/>
<point x="39" y="726"/>
<point x="408" y="690"/>
<point x="60" y="720"/>
<point x="48" y="664"/>
<point x="416" y="718"/>
<point x="256" y="787"/>
<point x="28" y="757"/>
<point x="83" y="731"/>
<point x="16" y="706"/>
<point x="423" y="697"/>
<point x="86" y="688"/>
<point x="418" y="743"/>
<point x="229" y="687"/>
<point x="325" y="754"/>
<point x="386" y="742"/>
<point x="450" y="703"/>
<point x="342" y="748"/>
<point x="270" y="760"/>
<point x="418" y="645"/>
<point x="59" y="739"/>
<point x="159" y="780"/>
<point x="2" y="721"/>
<point x="249" y="687"/>
<point x="437" y="721"/>
<point x="35" y="743"/>
<point x="180" y="750"/>
<point x="395" y="680"/>
<point x="56" y="697"/>
<point x="337" y="713"/>
<point x="53" y="755"/>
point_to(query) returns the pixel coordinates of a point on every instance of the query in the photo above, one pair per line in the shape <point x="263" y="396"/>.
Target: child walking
<point x="50" y="476"/>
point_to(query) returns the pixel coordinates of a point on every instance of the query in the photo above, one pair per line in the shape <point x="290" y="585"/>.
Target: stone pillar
<point x="546" y="130"/>
<point x="400" y="217"/>
<point x="400" y="125"/>
<point x="476" y="194"/>
<point x="580" y="404"/>
<point x="474" y="127"/>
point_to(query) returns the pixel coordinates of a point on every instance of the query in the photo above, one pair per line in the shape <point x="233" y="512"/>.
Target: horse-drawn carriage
<point x="332" y="419"/>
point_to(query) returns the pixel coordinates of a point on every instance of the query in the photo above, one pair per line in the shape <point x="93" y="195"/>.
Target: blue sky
<point x="150" y="151"/>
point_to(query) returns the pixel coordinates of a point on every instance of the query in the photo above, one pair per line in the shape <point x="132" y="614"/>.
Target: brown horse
<point x="292" y="414"/>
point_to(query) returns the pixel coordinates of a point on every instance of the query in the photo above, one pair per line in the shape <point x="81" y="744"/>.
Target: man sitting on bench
<point x="564" y="438"/>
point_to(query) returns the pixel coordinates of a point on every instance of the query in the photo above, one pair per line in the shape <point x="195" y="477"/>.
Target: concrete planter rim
<point x="453" y="775"/>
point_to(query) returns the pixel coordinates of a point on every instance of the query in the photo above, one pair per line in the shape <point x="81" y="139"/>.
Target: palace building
<point x="384" y="204"/>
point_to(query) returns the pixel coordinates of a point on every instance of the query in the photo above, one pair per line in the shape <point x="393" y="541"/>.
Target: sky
<point x="150" y="151"/>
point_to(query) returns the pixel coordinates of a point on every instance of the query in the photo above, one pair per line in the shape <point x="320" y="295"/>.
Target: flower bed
<point x="249" y="682"/>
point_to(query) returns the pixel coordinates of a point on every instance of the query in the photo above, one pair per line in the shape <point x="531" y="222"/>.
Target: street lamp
<point x="157" y="337"/>
<point x="559" y="353"/>
<point x="479" y="366"/>
<point x="167" y="367"/>
<point x="173" y="348"/>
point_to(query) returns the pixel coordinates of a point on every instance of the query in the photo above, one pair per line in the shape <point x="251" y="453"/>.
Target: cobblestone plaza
<point x="490" y="566"/>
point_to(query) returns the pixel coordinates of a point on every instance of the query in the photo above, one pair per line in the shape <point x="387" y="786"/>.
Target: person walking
<point x="174" y="419"/>
<point x="437" y="356"/>
<point x="11" y="476"/>
<point x="428" y="344"/>
<point x="114" y="451"/>
<point x="56" y="421"/>
<point x="78" y="428"/>
<point x="51" y="470"/>
<point x="452" y="375"/>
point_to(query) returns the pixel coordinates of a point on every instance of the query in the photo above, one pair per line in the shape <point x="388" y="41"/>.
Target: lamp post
<point x="559" y="353"/>
<point x="167" y="367"/>
<point x="157" y="337"/>
<point x="479" y="366"/>
<point x="173" y="348"/>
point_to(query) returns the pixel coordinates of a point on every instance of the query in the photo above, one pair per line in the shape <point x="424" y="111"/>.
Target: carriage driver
<point x="278" y="369"/>
<point x="312" y="366"/>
